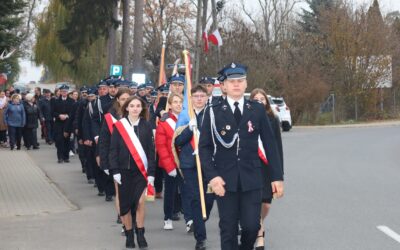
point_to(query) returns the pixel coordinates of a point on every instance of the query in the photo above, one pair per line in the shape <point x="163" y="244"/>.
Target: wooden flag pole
<point x="188" y="75"/>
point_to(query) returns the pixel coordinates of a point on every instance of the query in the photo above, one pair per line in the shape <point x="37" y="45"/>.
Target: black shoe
<point x="119" y="220"/>
<point x="60" y="161"/>
<point x="19" y="148"/>
<point x="101" y="194"/>
<point x="109" y="198"/>
<point x="12" y="148"/>
<point x="90" y="181"/>
<point x="175" y="217"/>
<point x="141" y="240"/>
<point x="200" y="245"/>
<point x="262" y="246"/>
<point x="130" y="241"/>
<point x="66" y="160"/>
<point x="36" y="147"/>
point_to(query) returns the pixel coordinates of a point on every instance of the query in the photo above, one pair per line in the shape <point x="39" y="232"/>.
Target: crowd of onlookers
<point x="22" y="114"/>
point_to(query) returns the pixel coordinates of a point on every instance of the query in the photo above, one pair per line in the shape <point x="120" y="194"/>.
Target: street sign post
<point x="115" y="70"/>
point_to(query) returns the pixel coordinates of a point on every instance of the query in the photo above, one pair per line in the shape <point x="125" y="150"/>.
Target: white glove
<point x="107" y="172"/>
<point x="150" y="180"/>
<point x="117" y="178"/>
<point x="192" y="124"/>
<point x="172" y="173"/>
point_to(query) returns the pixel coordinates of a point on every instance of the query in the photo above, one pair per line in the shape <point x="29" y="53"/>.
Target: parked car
<point x="283" y="112"/>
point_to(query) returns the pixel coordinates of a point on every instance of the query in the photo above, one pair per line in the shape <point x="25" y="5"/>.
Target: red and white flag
<point x="215" y="38"/>
<point x="205" y="40"/>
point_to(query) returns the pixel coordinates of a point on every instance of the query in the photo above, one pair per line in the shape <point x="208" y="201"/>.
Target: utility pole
<point x="125" y="38"/>
<point x="138" y="37"/>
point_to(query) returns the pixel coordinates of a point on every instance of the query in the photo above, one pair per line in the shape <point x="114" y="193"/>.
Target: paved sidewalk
<point x="24" y="188"/>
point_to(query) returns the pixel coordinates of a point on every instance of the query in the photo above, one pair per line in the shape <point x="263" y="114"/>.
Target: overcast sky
<point x="29" y="72"/>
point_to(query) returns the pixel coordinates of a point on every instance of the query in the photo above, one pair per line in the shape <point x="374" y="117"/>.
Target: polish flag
<point x="205" y="39"/>
<point x="215" y="38"/>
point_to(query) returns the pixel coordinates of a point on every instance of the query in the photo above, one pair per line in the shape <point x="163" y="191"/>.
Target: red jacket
<point x="164" y="135"/>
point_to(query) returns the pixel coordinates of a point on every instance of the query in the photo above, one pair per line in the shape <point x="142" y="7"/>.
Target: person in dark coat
<point x="260" y="96"/>
<point x="62" y="126"/>
<point x="92" y="168"/>
<point x="77" y="126"/>
<point x="187" y="164"/>
<point x="45" y="108"/>
<point x="130" y="172"/>
<point x="33" y="115"/>
<point x="85" y="135"/>
<point x="228" y="150"/>
<point x="14" y="117"/>
<point x="111" y="117"/>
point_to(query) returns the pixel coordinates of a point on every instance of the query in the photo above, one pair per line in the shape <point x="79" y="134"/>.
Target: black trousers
<point x="90" y="162"/>
<point x="28" y="137"/>
<point x="243" y="208"/>
<point x="82" y="155"/>
<point x="62" y="143"/>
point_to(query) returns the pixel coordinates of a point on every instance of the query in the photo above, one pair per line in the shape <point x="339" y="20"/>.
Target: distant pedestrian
<point x="3" y="125"/>
<point x="14" y="116"/>
<point x="33" y="115"/>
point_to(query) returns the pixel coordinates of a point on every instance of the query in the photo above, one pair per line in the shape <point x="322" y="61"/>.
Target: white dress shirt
<point x="232" y="105"/>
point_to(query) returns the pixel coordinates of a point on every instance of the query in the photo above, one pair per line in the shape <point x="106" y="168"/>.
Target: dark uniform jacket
<point x="32" y="114"/>
<point x="45" y="108"/>
<point x="120" y="157"/>
<point x="183" y="142"/>
<point x="63" y="107"/>
<point x="97" y="117"/>
<point x="105" y="141"/>
<point x="239" y="166"/>
<point x="78" y="121"/>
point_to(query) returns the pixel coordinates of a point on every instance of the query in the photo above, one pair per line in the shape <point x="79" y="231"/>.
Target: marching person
<point x="45" y="108"/>
<point x="3" y="124"/>
<point x="14" y="116"/>
<point x="62" y="128"/>
<point x="77" y="125"/>
<point x="114" y="114"/>
<point x="260" y="96"/>
<point x="190" y="190"/>
<point x="228" y="149"/>
<point x="132" y="165"/>
<point x="33" y="115"/>
<point x="208" y="83"/>
<point x="173" y="180"/>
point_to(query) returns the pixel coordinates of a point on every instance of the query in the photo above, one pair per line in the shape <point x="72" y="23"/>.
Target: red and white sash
<point x="261" y="151"/>
<point x="110" y="120"/>
<point x="171" y="124"/>
<point x="135" y="149"/>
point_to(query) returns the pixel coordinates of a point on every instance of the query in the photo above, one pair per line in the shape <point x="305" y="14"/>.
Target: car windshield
<point x="279" y="102"/>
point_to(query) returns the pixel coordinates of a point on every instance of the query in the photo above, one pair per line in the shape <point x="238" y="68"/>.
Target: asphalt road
<point x="340" y="184"/>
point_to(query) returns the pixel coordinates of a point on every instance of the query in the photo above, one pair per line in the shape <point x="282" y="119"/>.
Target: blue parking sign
<point x="115" y="70"/>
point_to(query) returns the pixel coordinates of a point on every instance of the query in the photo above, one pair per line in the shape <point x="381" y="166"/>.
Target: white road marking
<point x="389" y="232"/>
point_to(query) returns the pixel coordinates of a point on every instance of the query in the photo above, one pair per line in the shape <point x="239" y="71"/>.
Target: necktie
<point x="237" y="114"/>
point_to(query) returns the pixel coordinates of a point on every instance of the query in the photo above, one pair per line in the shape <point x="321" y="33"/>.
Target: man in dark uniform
<point x="228" y="151"/>
<point x="208" y="83"/>
<point x="62" y="127"/>
<point x="77" y="126"/>
<point x="45" y="108"/>
<point x="141" y="92"/>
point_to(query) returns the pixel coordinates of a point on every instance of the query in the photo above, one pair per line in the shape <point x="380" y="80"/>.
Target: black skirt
<point x="131" y="189"/>
<point x="267" y="188"/>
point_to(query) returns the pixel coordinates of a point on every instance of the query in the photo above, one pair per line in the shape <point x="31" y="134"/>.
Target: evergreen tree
<point x="311" y="19"/>
<point x="10" y="21"/>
